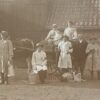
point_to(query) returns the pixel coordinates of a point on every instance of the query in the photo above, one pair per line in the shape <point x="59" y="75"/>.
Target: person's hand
<point x="10" y="58"/>
<point x="34" y="68"/>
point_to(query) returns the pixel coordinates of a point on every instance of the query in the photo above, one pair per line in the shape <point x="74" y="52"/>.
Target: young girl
<point x="39" y="63"/>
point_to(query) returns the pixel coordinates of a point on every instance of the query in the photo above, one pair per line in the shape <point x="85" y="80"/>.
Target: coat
<point x="96" y="58"/>
<point x="6" y="52"/>
<point x="79" y="50"/>
<point x="39" y="61"/>
<point x="65" y="57"/>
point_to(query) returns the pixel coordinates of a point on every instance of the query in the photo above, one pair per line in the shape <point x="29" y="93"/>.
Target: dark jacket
<point x="79" y="50"/>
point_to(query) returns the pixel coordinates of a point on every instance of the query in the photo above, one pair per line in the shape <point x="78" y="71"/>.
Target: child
<point x="39" y="63"/>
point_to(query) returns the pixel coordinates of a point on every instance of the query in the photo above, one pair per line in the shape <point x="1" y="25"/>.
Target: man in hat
<point x="70" y="31"/>
<point x="54" y="35"/>
<point x="79" y="54"/>
<point x="39" y="62"/>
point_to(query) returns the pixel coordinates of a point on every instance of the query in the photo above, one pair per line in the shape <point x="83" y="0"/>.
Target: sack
<point x="11" y="71"/>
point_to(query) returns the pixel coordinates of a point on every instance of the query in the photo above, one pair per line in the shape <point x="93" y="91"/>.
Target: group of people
<point x="75" y="55"/>
<point x="74" y="52"/>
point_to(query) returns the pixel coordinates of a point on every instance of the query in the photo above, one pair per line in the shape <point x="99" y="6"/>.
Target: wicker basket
<point x="33" y="78"/>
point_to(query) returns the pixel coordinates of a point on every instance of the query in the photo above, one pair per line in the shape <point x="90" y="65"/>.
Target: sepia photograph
<point x="49" y="49"/>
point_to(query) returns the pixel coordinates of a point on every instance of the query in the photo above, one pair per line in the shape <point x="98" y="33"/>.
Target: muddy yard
<point x="19" y="89"/>
<point x="48" y="92"/>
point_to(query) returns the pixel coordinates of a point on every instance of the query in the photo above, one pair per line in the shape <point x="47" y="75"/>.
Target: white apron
<point x="65" y="57"/>
<point x="39" y="61"/>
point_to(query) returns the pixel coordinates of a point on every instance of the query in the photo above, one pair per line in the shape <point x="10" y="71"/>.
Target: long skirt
<point x="92" y="67"/>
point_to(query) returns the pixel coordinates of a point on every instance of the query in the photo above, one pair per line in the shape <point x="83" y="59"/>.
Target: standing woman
<point x="6" y="54"/>
<point x="93" y="59"/>
<point x="70" y="31"/>
<point x="65" y="62"/>
<point x="54" y="35"/>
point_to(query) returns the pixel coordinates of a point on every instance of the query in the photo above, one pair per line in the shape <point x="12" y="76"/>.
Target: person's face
<point x="69" y="24"/>
<point x="65" y="39"/>
<point x="54" y="28"/>
<point x="80" y="36"/>
<point x="39" y="48"/>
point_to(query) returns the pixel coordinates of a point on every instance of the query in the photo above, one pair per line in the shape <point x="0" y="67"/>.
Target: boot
<point x="2" y="78"/>
<point x="5" y="79"/>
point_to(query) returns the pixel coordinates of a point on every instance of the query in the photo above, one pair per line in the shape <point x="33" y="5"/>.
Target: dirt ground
<point x="19" y="89"/>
